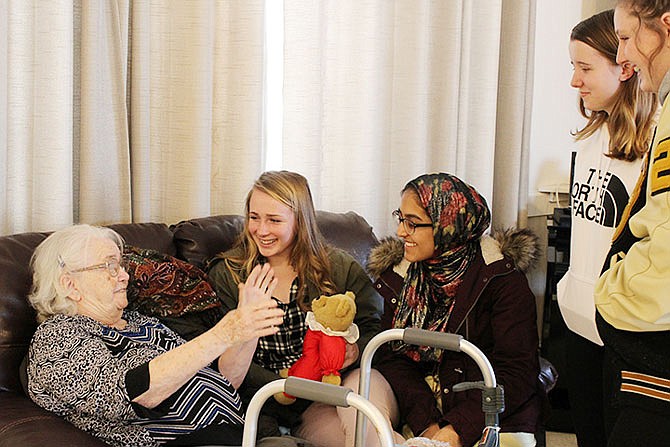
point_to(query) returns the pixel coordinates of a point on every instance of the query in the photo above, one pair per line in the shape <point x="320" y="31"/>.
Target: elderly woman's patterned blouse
<point x="89" y="373"/>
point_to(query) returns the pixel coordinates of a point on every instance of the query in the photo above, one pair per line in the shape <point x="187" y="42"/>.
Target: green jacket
<point x="346" y="273"/>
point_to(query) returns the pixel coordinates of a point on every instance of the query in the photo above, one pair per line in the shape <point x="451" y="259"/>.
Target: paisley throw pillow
<point x="161" y="285"/>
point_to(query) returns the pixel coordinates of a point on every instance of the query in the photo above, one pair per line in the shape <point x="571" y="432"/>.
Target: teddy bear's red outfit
<point x="323" y="350"/>
<point x="322" y="355"/>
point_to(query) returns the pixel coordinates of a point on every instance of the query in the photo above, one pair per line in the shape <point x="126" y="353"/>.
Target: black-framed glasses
<point x="408" y="224"/>
<point x="113" y="267"/>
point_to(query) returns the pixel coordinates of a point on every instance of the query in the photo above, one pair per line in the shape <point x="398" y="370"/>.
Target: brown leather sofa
<point x="24" y="424"/>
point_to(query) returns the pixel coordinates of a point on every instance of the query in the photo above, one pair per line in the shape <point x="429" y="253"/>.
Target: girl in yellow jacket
<point x="632" y="295"/>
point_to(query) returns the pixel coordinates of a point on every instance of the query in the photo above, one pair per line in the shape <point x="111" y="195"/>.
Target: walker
<point x="493" y="401"/>
<point x="492" y="394"/>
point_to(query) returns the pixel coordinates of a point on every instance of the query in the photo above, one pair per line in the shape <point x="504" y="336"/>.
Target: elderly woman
<point x="125" y="377"/>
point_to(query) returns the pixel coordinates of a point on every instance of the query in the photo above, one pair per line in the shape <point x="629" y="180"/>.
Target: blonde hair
<point x="63" y="250"/>
<point x="632" y="119"/>
<point x="309" y="256"/>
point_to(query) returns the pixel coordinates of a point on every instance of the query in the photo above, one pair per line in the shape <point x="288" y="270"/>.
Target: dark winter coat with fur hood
<point x="495" y="310"/>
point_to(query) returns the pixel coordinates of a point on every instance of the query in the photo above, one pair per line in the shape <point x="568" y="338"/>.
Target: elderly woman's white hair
<point x="63" y="250"/>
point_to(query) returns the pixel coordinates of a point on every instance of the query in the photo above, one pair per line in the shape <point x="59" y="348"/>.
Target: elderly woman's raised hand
<point x="257" y="314"/>
<point x="259" y="286"/>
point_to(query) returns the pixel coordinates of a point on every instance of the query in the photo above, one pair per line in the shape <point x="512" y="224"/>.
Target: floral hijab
<point x="459" y="216"/>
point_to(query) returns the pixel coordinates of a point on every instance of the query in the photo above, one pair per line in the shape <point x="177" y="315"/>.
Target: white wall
<point x="554" y="113"/>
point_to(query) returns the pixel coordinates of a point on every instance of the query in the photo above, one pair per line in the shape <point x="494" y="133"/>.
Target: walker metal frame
<point x="318" y="392"/>
<point x="492" y="394"/>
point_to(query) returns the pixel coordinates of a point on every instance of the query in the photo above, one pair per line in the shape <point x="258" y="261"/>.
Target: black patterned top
<point x="89" y="373"/>
<point x="283" y="349"/>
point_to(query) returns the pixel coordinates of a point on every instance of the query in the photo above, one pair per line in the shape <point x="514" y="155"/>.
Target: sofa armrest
<point x="22" y="423"/>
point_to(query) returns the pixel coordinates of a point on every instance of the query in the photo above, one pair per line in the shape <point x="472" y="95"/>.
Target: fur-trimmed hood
<point x="520" y="245"/>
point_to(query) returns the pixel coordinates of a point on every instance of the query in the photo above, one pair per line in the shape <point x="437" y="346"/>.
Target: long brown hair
<point x="309" y="255"/>
<point x="632" y="119"/>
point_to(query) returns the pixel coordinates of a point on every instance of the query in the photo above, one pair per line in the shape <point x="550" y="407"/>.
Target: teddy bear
<point x="330" y="327"/>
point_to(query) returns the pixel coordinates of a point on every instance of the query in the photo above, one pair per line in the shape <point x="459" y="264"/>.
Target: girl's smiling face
<point x="596" y="78"/>
<point x="419" y="245"/>
<point x="271" y="224"/>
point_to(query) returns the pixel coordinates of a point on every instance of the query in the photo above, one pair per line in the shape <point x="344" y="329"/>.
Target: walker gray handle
<point x="422" y="337"/>
<point x="319" y="392"/>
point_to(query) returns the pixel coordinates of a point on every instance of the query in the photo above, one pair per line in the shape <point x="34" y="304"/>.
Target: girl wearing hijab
<point x="446" y="275"/>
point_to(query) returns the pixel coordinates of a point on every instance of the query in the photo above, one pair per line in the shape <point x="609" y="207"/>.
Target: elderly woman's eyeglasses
<point x="408" y="224"/>
<point x="113" y="267"/>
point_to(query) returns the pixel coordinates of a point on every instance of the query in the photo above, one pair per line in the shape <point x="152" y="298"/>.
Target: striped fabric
<point x="205" y="400"/>
<point x="645" y="385"/>
<point x="208" y="398"/>
<point x="149" y="333"/>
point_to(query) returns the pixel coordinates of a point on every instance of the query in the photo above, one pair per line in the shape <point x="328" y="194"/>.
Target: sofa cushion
<point x="348" y="231"/>
<point x="161" y="285"/>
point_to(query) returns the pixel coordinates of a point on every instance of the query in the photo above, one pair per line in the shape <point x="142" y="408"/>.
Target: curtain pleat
<point x="103" y="181"/>
<point x="514" y="100"/>
<point x="238" y="137"/>
<point x="178" y="100"/>
<point x="4" y="115"/>
<point x="38" y="151"/>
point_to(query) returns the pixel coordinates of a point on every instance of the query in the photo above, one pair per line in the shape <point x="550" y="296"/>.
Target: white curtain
<point x="196" y="114"/>
<point x="513" y="121"/>
<point x="153" y="110"/>
<point x="378" y="92"/>
<point x="37" y="115"/>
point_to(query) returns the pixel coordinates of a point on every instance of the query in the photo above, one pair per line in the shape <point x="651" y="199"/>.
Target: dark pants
<point x="584" y="379"/>
<point x="635" y="419"/>
<point x="640" y="426"/>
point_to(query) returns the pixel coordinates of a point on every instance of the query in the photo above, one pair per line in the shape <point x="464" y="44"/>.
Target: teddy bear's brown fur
<point x="335" y="312"/>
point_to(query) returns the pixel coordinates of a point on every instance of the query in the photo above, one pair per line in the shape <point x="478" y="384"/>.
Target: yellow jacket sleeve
<point x="634" y="293"/>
